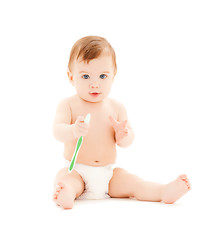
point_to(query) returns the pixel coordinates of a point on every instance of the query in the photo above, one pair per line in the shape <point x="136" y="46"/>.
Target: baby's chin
<point x="92" y="99"/>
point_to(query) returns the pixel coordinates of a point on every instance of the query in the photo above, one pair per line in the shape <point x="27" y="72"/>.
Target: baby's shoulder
<point x="116" y="104"/>
<point x="69" y="100"/>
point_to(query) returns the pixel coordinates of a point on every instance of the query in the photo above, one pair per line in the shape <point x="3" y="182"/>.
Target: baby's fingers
<point x="80" y="119"/>
<point x="83" y="125"/>
<point x="80" y="122"/>
<point x="126" y="131"/>
<point x="117" y="124"/>
<point x="124" y="123"/>
<point x="113" y="121"/>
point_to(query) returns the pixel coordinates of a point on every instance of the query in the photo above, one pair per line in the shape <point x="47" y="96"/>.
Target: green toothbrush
<point x="78" y="145"/>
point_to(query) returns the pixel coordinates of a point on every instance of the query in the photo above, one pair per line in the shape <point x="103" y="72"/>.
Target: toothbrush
<point x="78" y="145"/>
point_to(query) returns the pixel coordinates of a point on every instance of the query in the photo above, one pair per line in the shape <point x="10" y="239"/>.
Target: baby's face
<point x="93" y="81"/>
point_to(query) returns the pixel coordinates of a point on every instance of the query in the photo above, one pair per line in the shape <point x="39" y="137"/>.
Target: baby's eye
<point x="86" y="76"/>
<point x="103" y="76"/>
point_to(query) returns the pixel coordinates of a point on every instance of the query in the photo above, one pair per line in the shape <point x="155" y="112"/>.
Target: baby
<point x="91" y="70"/>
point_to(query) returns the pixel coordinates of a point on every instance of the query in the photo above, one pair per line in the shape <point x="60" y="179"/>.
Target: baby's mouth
<point x="94" y="94"/>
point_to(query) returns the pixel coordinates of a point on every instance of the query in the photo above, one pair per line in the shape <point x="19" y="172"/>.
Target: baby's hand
<point x="80" y="128"/>
<point x="120" y="129"/>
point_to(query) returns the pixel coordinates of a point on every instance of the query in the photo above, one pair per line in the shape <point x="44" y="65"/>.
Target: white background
<point x="170" y="58"/>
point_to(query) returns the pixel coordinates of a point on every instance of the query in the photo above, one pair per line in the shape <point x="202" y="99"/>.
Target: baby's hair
<point x="91" y="47"/>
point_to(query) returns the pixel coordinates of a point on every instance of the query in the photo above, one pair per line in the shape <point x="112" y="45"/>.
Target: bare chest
<point x="99" y="145"/>
<point x="99" y="124"/>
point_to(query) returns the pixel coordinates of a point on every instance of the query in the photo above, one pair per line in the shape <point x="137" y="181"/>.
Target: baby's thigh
<point x="123" y="184"/>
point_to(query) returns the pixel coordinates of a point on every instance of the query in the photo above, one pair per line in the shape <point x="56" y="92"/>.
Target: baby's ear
<point x="70" y="77"/>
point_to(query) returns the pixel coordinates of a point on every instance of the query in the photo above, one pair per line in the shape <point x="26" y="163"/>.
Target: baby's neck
<point x="92" y="104"/>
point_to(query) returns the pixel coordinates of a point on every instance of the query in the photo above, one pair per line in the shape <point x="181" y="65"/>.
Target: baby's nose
<point x="94" y="85"/>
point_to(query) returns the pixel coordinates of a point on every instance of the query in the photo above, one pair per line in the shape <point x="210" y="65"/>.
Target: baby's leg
<point x="124" y="184"/>
<point x="68" y="186"/>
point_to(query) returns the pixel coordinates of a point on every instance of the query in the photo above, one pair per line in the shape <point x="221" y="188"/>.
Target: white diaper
<point x="96" y="180"/>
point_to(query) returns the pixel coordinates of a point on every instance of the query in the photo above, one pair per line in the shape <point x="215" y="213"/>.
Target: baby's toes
<point x="184" y="177"/>
<point x="57" y="191"/>
<point x="55" y="196"/>
<point x="61" y="185"/>
<point x="186" y="180"/>
<point x="188" y="185"/>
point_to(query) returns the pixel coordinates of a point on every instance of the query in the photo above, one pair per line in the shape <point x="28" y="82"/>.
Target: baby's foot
<point x="64" y="195"/>
<point x="176" y="189"/>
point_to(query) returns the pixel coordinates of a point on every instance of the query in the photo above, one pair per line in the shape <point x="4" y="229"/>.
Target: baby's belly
<point x="93" y="153"/>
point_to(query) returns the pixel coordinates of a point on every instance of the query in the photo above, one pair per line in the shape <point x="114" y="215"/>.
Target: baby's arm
<point x="62" y="127"/>
<point x="122" y="116"/>
<point x="123" y="132"/>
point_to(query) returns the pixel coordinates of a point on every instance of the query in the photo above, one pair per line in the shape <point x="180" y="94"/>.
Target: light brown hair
<point x="91" y="47"/>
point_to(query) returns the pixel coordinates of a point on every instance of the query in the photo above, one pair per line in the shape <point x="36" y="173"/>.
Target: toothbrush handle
<point x="78" y="145"/>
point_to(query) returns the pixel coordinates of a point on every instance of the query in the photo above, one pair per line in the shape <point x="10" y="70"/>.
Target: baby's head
<point x="92" y="68"/>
